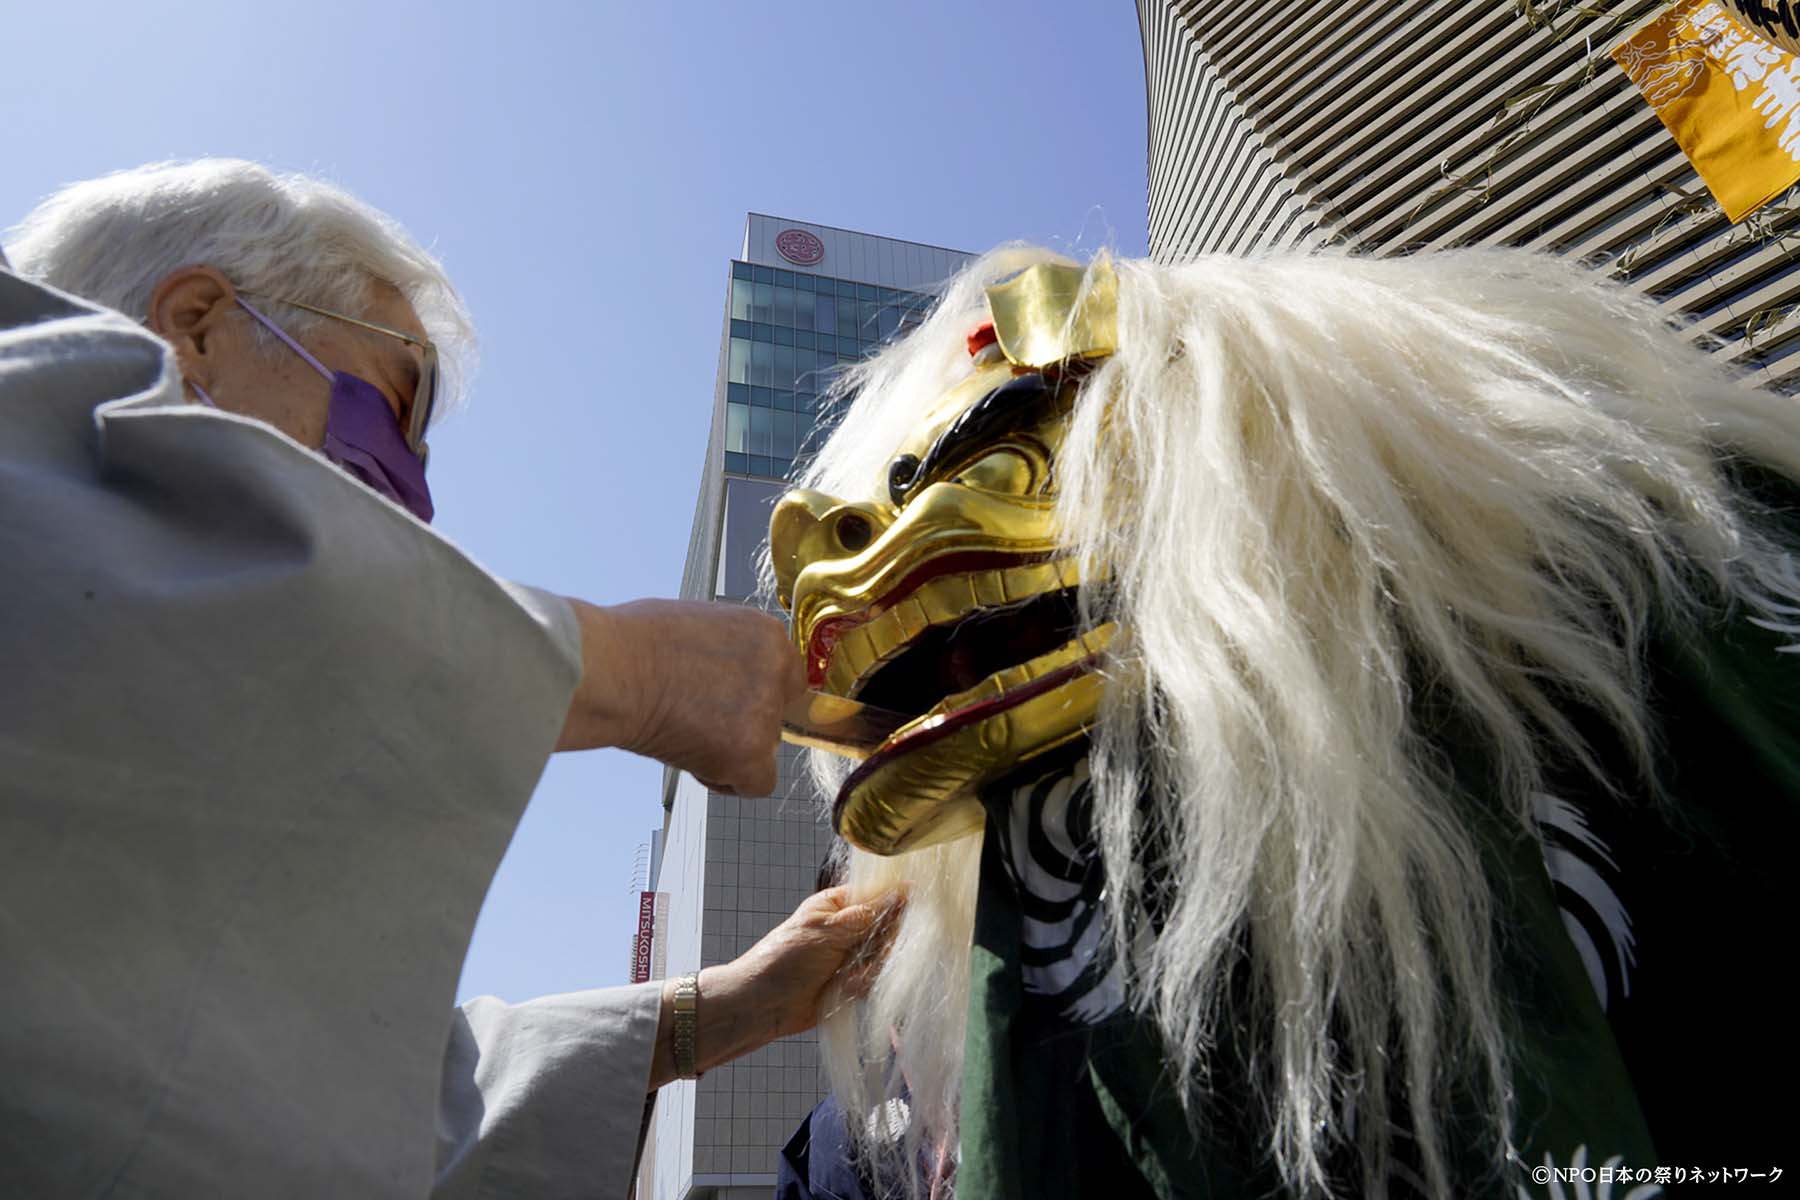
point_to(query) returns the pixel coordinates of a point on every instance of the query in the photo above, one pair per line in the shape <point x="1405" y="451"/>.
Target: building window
<point x="737" y="428"/>
<point x="762" y="430"/>
<point x="790" y="335"/>
<point x="784" y="435"/>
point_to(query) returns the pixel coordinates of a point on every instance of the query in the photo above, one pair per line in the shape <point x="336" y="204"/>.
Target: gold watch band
<point x="687" y="1015"/>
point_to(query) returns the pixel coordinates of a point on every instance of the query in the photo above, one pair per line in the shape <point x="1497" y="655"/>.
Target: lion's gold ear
<point x="1054" y="313"/>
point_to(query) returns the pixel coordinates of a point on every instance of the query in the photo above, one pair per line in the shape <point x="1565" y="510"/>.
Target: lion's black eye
<point x="902" y="473"/>
<point x="853" y="532"/>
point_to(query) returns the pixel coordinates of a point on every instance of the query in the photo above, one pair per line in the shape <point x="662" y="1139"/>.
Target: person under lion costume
<point x="1352" y="730"/>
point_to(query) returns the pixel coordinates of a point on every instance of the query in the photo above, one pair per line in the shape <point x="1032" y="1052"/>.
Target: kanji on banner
<point x="1730" y="98"/>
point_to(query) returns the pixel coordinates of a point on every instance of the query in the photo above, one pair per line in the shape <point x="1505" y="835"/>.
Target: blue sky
<point x="584" y="171"/>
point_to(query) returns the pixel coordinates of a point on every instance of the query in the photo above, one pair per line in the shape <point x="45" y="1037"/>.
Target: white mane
<point x="1317" y="481"/>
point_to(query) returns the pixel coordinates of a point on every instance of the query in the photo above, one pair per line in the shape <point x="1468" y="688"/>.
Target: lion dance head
<point x="1245" y="537"/>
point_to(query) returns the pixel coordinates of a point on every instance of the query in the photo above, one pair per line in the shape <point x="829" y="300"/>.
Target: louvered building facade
<point x="1420" y="124"/>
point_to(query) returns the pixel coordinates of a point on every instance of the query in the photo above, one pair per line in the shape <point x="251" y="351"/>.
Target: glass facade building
<point x="790" y="331"/>
<point x="800" y="301"/>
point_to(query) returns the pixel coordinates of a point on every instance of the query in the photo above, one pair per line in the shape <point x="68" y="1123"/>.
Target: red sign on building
<point x="800" y="247"/>
<point x="643" y="944"/>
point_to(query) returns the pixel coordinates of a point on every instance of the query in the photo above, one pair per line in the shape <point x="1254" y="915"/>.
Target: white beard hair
<point x="908" y="1032"/>
<point x="1310" y="477"/>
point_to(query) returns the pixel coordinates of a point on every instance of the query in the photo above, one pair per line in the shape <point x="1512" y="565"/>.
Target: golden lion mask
<point x="952" y="601"/>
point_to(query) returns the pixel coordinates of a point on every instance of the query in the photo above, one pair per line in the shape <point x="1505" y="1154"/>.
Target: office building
<point x="800" y="301"/>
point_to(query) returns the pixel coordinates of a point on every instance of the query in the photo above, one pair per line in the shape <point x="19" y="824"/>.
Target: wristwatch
<point x="687" y="1016"/>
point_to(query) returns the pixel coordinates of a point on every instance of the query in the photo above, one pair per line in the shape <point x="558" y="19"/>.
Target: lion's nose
<point x="809" y="527"/>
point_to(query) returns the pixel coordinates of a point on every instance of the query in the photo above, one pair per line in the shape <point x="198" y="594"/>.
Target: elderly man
<point x="264" y="735"/>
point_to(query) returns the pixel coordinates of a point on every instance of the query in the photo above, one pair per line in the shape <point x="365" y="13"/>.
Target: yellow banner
<point x="1731" y="99"/>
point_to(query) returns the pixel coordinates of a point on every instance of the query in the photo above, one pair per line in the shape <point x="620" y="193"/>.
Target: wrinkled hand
<point x="777" y="988"/>
<point x="698" y="686"/>
<point x="828" y="939"/>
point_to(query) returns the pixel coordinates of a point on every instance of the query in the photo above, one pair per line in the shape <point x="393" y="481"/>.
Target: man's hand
<point x="827" y="939"/>
<point x="698" y="686"/>
<point x="777" y="988"/>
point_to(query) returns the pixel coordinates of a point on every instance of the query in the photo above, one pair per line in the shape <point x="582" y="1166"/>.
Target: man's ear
<point x="186" y="305"/>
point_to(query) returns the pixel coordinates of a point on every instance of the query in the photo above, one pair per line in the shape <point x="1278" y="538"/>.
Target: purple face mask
<point x="362" y="436"/>
<point x="361" y="433"/>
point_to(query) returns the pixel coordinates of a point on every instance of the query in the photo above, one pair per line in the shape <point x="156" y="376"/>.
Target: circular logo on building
<point x="800" y="247"/>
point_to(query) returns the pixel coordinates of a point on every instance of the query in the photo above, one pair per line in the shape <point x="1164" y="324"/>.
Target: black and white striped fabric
<point x="1046" y="842"/>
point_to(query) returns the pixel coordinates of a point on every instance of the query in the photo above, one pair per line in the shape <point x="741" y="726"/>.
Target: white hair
<point x="110" y="240"/>
<point x="1328" y="492"/>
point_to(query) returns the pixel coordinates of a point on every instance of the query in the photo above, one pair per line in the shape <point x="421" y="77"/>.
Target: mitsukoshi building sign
<point x="800" y="247"/>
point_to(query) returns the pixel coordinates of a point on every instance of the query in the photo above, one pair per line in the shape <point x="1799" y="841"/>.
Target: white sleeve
<point x="264" y="738"/>
<point x="546" y="1098"/>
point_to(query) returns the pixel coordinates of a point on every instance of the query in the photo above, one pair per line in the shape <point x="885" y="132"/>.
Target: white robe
<point x="263" y="740"/>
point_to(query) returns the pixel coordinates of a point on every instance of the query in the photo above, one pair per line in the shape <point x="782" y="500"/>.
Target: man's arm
<point x="698" y="686"/>
<point x="545" y="1098"/>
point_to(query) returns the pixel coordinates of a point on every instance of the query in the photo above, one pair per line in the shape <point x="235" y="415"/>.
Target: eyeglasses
<point x="424" y="396"/>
